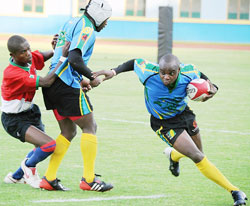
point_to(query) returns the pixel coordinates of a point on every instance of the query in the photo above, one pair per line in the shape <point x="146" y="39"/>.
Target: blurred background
<point x="221" y="21"/>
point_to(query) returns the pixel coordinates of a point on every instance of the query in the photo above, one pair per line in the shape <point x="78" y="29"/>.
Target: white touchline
<point x="147" y="123"/>
<point x="100" y="199"/>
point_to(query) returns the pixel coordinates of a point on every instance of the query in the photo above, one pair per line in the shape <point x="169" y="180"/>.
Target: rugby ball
<point x="198" y="88"/>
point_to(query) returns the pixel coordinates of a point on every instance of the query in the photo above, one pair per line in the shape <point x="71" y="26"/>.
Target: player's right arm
<point x="141" y="67"/>
<point x="48" y="80"/>
<point x="125" y="67"/>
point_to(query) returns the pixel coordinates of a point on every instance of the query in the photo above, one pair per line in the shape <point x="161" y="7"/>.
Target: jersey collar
<point x="16" y="65"/>
<point x="172" y="86"/>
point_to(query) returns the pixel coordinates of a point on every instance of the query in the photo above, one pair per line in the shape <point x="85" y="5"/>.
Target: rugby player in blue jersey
<point x="70" y="104"/>
<point x="171" y="118"/>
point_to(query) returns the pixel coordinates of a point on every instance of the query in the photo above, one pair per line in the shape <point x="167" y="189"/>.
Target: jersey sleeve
<point x="145" y="69"/>
<point x="16" y="80"/>
<point x="190" y="70"/>
<point x="82" y="38"/>
<point x="37" y="60"/>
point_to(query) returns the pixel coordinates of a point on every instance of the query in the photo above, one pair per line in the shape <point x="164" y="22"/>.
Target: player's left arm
<point x="48" y="54"/>
<point x="213" y="88"/>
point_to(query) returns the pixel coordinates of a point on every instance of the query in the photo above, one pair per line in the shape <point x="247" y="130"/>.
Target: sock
<point x="41" y="153"/>
<point x="19" y="173"/>
<point x="89" y="151"/>
<point x="62" y="145"/>
<point x="211" y="172"/>
<point x="176" y="156"/>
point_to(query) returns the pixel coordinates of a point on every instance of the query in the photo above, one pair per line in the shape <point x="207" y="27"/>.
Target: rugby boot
<point x="31" y="176"/>
<point x="52" y="185"/>
<point x="173" y="166"/>
<point x="239" y="198"/>
<point x="10" y="180"/>
<point x="96" y="185"/>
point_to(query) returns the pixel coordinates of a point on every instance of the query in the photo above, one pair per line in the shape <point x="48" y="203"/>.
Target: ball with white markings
<point x="197" y="89"/>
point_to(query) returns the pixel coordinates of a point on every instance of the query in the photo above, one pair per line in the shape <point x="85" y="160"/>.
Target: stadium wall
<point x="137" y="29"/>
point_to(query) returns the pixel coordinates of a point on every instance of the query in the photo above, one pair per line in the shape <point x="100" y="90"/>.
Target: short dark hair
<point x="170" y="60"/>
<point x="14" y="43"/>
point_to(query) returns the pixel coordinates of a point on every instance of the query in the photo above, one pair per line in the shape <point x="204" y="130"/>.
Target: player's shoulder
<point x="189" y="69"/>
<point x="13" y="71"/>
<point x="36" y="53"/>
<point x="147" y="65"/>
<point x="37" y="57"/>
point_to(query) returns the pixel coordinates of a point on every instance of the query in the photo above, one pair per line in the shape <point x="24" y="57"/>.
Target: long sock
<point x="62" y="145"/>
<point x="211" y="172"/>
<point x="18" y="174"/>
<point x="41" y="153"/>
<point x="176" y="156"/>
<point x="89" y="151"/>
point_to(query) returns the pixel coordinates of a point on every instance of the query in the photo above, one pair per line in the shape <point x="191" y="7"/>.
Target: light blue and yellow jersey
<point x="162" y="102"/>
<point x="80" y="32"/>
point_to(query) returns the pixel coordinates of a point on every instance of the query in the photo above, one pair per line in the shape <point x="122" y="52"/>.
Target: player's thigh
<point x="36" y="137"/>
<point x="87" y="123"/>
<point x="197" y="140"/>
<point x="185" y="145"/>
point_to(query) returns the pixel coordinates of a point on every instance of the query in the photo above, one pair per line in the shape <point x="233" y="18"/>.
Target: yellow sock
<point x="176" y="156"/>
<point x="211" y="172"/>
<point x="62" y="145"/>
<point x="89" y="151"/>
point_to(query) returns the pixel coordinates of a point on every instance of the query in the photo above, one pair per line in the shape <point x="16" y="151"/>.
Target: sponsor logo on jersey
<point x="84" y="37"/>
<point x="86" y="30"/>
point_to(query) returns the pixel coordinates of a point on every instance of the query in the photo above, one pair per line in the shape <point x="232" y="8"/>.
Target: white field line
<point x="147" y="123"/>
<point x="100" y="199"/>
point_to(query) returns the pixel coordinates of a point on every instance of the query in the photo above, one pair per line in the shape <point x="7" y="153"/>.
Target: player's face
<point x="23" y="54"/>
<point x="168" y="75"/>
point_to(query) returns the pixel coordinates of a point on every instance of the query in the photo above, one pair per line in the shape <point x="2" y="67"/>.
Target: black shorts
<point x="17" y="124"/>
<point x="67" y="100"/>
<point x="169" y="129"/>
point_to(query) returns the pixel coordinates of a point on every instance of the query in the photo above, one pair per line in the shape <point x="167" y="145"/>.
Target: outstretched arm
<point x="48" y="80"/>
<point x="125" y="67"/>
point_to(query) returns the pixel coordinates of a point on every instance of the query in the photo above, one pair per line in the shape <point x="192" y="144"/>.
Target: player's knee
<point x="197" y="156"/>
<point x="69" y="135"/>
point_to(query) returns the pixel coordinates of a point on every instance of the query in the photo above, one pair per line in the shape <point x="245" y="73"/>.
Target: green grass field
<point x="130" y="155"/>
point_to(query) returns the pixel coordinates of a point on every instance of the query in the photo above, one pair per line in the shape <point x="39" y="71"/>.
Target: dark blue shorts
<point x="17" y="124"/>
<point x="169" y="129"/>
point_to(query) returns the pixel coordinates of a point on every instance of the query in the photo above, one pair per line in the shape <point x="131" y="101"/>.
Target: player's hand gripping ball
<point x="197" y="89"/>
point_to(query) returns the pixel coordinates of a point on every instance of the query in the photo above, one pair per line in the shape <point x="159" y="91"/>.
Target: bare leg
<point x="186" y="146"/>
<point x="36" y="137"/>
<point x="197" y="140"/>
